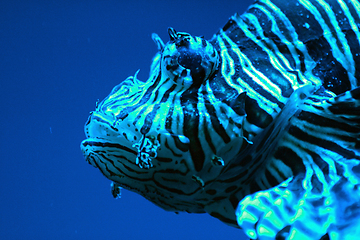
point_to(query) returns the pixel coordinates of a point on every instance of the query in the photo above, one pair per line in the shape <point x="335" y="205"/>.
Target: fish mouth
<point x="105" y="134"/>
<point x="111" y="150"/>
<point x="112" y="166"/>
<point x="103" y="153"/>
<point x="107" y="128"/>
<point x="100" y="125"/>
<point x="98" y="142"/>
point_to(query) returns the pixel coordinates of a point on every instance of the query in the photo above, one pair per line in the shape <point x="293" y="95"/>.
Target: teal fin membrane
<point x="322" y="200"/>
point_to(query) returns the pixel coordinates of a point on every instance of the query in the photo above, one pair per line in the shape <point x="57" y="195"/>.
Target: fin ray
<point x="322" y="199"/>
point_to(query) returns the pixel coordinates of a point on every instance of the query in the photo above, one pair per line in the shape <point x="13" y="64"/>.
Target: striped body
<point x="263" y="120"/>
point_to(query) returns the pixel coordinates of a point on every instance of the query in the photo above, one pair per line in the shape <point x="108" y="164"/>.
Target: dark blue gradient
<point x="57" y="59"/>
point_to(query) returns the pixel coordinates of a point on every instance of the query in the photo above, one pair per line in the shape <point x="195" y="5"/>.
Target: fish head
<point x="169" y="137"/>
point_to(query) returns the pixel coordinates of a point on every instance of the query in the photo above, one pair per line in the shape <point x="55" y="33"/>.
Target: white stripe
<point x="356" y="6"/>
<point x="276" y="58"/>
<point x="275" y="55"/>
<point x="309" y="62"/>
<point x="350" y="66"/>
<point x="263" y="102"/>
<point x="256" y="75"/>
<point x="343" y="58"/>
<point x="355" y="28"/>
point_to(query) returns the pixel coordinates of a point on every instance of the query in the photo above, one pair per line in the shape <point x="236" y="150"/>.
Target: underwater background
<point x="57" y="59"/>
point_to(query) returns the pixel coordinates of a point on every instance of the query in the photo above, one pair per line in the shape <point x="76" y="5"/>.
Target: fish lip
<point x="102" y="142"/>
<point x="133" y="189"/>
<point x="98" y="120"/>
<point x="95" y="139"/>
<point x="88" y="155"/>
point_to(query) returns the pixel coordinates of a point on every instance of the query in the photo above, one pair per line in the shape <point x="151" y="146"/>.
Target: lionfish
<point x="258" y="126"/>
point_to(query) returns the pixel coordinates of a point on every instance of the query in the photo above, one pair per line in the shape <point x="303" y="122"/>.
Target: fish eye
<point x="188" y="60"/>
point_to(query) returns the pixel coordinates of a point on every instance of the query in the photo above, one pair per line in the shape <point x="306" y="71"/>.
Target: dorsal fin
<point x="159" y="43"/>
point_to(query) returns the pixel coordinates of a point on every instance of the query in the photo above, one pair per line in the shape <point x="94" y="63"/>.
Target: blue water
<point x="57" y="59"/>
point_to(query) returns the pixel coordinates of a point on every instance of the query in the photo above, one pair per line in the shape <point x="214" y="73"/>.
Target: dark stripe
<point x="302" y="63"/>
<point x="328" y="68"/>
<point x="327" y="122"/>
<point x="191" y="127"/>
<point x="260" y="61"/>
<point x="332" y="73"/>
<point x="271" y="179"/>
<point x="145" y="128"/>
<point x="230" y="26"/>
<point x="184" y="147"/>
<point x="101" y="157"/>
<point x="341" y="18"/>
<point x="317" y="186"/>
<point x="163" y="159"/>
<point x="171" y="149"/>
<point x="234" y="201"/>
<point x="169" y="119"/>
<point x="98" y="167"/>
<point x="207" y="136"/>
<point x="271" y="36"/>
<point x="135" y="175"/>
<point x="211" y="191"/>
<point x="108" y="144"/>
<point x="140" y="114"/>
<point x="345" y="108"/>
<point x="145" y="97"/>
<point x="215" y="123"/>
<point x="290" y="158"/>
<point x="230" y="177"/>
<point x="159" y="180"/>
<point x="255" y="114"/>
<point x="332" y="146"/>
<point x="254" y="187"/>
<point x="101" y="120"/>
<point x="356" y="93"/>
<point x="319" y="161"/>
<point x="226" y="94"/>
<point x="167" y="93"/>
<point x="339" y="169"/>
<point x="354" y="45"/>
<point x="298" y="15"/>
<point x="280" y="172"/>
<point x="219" y="198"/>
<point x="245" y="161"/>
<point x="231" y="188"/>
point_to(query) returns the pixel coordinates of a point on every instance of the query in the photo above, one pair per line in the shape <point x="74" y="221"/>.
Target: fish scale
<point x="258" y="126"/>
